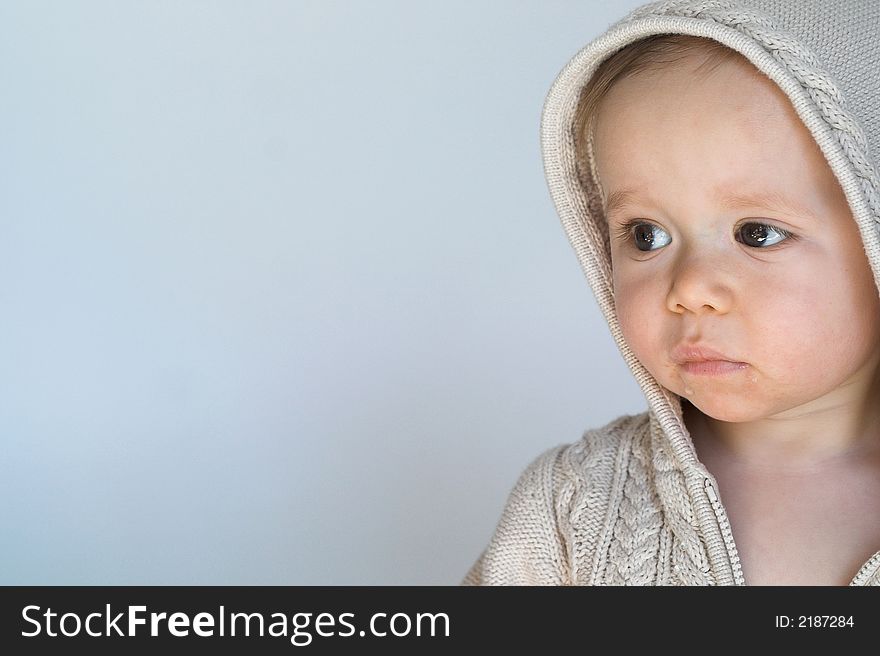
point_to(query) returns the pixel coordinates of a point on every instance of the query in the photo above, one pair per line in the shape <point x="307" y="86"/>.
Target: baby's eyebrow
<point x="772" y="200"/>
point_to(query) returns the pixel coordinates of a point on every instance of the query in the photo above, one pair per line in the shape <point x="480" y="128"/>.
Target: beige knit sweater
<point x="630" y="503"/>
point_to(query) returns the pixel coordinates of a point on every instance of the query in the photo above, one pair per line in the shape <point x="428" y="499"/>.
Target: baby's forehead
<point x="734" y="97"/>
<point x="784" y="171"/>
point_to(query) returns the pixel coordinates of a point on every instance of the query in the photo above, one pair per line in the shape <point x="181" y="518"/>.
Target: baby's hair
<point x="645" y="54"/>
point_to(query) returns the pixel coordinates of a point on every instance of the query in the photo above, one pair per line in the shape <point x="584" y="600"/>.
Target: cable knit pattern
<point x="630" y="503"/>
<point x="690" y="563"/>
<point x="589" y="471"/>
<point x="601" y="496"/>
<point x="632" y="558"/>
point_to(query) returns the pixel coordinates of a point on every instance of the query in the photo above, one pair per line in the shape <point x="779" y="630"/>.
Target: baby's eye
<point x="761" y="235"/>
<point x="647" y="236"/>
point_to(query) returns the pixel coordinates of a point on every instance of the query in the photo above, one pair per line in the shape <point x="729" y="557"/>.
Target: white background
<point x="283" y="296"/>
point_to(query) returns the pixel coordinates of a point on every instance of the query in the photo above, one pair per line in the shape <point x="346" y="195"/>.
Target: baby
<point x="710" y="164"/>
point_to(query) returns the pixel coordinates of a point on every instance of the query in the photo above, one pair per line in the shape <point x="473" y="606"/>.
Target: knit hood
<point x="824" y="55"/>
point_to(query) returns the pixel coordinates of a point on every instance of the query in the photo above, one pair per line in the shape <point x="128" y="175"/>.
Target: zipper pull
<point x="710" y="490"/>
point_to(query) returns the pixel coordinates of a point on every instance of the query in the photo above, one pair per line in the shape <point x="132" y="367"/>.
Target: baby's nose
<point x="699" y="284"/>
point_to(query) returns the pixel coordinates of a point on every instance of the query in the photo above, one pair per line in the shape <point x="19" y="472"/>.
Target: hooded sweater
<point x="630" y="503"/>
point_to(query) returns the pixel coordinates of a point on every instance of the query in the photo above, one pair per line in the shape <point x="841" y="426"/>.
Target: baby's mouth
<point x="712" y="367"/>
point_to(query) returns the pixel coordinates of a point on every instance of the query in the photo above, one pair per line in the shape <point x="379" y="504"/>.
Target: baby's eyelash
<point x="788" y="236"/>
<point x="624" y="232"/>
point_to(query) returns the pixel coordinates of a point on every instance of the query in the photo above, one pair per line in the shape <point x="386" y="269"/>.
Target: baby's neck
<point x="808" y="445"/>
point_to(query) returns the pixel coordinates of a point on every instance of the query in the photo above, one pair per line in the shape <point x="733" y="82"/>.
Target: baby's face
<point x="781" y="285"/>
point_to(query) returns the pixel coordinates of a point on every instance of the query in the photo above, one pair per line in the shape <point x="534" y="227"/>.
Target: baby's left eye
<point x="761" y="235"/>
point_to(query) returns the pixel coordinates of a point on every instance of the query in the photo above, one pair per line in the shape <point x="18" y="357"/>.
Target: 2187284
<point x="814" y="621"/>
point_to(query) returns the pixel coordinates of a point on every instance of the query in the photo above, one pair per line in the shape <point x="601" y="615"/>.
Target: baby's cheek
<point x="638" y="321"/>
<point x="799" y="335"/>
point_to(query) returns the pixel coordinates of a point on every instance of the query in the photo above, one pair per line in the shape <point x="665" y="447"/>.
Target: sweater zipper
<point x="726" y="532"/>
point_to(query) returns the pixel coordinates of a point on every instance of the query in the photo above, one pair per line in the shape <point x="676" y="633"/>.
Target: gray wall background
<point x="283" y="296"/>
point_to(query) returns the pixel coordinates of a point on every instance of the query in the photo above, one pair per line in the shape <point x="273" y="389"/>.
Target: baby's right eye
<point x="647" y="235"/>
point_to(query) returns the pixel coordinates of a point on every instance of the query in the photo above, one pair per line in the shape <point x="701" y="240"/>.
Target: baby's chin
<point x="731" y="408"/>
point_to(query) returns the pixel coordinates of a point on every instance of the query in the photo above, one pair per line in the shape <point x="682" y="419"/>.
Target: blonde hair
<point x="646" y="54"/>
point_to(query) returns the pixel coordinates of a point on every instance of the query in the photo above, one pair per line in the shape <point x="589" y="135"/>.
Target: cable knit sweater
<point x="630" y="503"/>
<point x="614" y="509"/>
